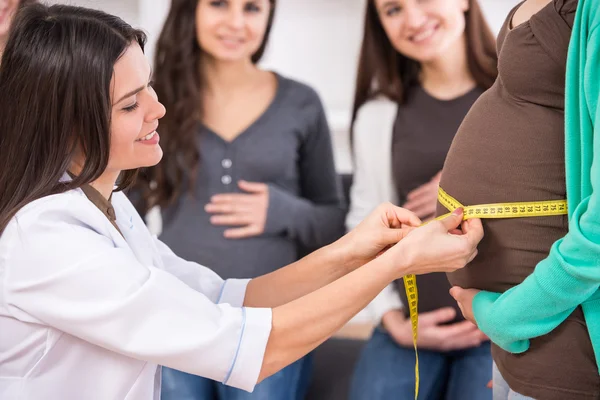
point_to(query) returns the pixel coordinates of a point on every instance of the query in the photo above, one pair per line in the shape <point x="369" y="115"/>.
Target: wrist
<point x="339" y="256"/>
<point x="382" y="268"/>
<point x="397" y="260"/>
<point x="343" y="251"/>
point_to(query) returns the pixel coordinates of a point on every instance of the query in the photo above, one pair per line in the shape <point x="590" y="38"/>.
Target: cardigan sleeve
<point x="570" y="275"/>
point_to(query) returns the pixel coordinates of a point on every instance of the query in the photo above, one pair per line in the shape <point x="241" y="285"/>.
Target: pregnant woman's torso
<point x="510" y="148"/>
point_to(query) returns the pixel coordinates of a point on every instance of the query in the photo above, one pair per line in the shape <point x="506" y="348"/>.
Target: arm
<point x="569" y="276"/>
<point x="316" y="218"/>
<point x="372" y="181"/>
<point x="73" y="279"/>
<point x="328" y="264"/>
<point x="301" y="325"/>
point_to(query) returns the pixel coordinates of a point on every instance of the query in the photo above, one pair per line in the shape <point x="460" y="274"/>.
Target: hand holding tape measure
<point x="494" y="210"/>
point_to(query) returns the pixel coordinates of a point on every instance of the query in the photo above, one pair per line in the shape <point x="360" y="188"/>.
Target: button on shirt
<point x="88" y="313"/>
<point x="289" y="148"/>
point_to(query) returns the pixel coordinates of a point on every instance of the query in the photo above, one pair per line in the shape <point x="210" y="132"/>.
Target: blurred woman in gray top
<point x="248" y="182"/>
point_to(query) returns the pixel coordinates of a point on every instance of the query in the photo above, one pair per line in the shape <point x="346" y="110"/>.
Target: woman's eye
<point x="218" y="3"/>
<point x="131" y="108"/>
<point x="251" y="7"/>
<point x="393" y="11"/>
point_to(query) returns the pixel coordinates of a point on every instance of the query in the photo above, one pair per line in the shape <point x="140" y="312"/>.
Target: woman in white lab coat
<point x="90" y="302"/>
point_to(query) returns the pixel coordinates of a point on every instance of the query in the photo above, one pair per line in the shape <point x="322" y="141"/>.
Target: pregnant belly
<point x="507" y="152"/>
<point x="509" y="252"/>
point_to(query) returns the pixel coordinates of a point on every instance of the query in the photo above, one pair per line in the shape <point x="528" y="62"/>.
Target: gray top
<point x="289" y="148"/>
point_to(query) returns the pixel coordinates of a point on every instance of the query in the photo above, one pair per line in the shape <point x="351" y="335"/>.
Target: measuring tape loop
<point x="488" y="211"/>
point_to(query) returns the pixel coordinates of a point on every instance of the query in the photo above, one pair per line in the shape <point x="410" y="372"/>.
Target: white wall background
<point x="315" y="41"/>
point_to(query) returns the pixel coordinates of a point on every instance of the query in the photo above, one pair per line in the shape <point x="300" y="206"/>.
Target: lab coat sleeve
<point x="61" y="272"/>
<point x="202" y="279"/>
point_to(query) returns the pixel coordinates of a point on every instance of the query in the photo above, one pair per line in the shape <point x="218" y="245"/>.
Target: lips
<point x="147" y="137"/>
<point x="424" y="34"/>
<point x="231" y="41"/>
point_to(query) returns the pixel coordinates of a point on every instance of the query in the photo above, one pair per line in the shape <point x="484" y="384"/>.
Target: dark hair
<point x="179" y="86"/>
<point x="384" y="71"/>
<point x="24" y="3"/>
<point x="55" y="99"/>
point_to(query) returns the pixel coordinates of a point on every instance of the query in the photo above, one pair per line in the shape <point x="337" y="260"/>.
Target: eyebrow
<point x="387" y="3"/>
<point x="135" y="91"/>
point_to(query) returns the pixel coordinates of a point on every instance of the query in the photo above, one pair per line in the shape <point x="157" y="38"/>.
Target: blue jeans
<point x="386" y="370"/>
<point x="502" y="391"/>
<point x="289" y="383"/>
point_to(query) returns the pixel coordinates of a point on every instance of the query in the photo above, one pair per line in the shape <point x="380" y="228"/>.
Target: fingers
<point x="226" y="208"/>
<point x="425" y="211"/>
<point x="437" y="317"/>
<point x="457" y="293"/>
<point x="241" y="233"/>
<point x="231" y="219"/>
<point x="393" y="236"/>
<point x="460" y="329"/>
<point x="470" y="339"/>
<point x="253" y="187"/>
<point x="473" y="230"/>
<point x="423" y="189"/>
<point x="231" y="198"/>
<point x="472" y="257"/>
<point x="454" y="220"/>
<point x="419" y="202"/>
<point x="398" y="216"/>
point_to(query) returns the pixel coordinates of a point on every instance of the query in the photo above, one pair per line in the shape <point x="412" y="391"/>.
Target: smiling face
<point x="423" y="30"/>
<point x="7" y="12"/>
<point x="231" y="30"/>
<point x="135" y="114"/>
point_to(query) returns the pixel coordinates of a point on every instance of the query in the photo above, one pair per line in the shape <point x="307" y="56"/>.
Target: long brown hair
<point x="179" y="87"/>
<point x="55" y="99"/>
<point x="384" y="71"/>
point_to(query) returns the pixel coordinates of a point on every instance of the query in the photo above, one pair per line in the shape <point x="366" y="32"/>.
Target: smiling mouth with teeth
<point x="147" y="137"/>
<point x="424" y="35"/>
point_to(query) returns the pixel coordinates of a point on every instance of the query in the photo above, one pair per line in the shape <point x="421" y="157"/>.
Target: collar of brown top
<point x="100" y="201"/>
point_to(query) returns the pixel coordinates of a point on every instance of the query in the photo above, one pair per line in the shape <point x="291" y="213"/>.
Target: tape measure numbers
<point x="494" y="210"/>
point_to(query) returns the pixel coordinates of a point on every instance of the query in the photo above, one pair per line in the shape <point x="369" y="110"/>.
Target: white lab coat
<point x="86" y="313"/>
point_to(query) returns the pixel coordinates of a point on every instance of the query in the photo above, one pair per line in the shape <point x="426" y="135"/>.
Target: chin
<point x="233" y="56"/>
<point x="150" y="161"/>
<point x="428" y="56"/>
<point x="156" y="160"/>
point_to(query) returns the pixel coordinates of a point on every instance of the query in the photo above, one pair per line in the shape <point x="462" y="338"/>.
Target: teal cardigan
<point x="570" y="275"/>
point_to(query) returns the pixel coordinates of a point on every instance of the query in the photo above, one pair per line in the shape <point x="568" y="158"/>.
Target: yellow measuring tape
<point x="495" y="210"/>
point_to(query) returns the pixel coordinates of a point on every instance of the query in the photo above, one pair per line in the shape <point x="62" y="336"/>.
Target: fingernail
<point x="458" y="211"/>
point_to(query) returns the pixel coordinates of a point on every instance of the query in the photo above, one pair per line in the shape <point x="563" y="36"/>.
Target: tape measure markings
<point x="488" y="211"/>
